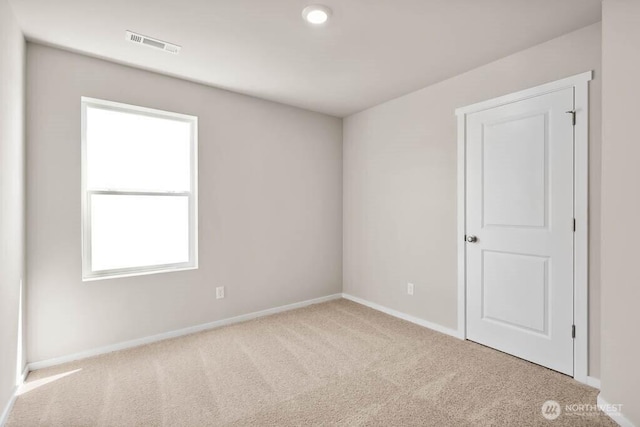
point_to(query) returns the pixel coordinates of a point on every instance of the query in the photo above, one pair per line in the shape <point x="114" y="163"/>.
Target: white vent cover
<point x="154" y="43"/>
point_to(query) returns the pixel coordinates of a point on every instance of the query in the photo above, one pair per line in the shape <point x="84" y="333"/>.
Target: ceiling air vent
<point x="151" y="42"/>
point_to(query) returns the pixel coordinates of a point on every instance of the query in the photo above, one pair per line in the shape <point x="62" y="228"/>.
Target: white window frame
<point x="87" y="273"/>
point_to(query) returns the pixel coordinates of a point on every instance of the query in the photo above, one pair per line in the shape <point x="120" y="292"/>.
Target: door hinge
<point x="573" y="116"/>
<point x="574" y="225"/>
<point x="573" y="331"/>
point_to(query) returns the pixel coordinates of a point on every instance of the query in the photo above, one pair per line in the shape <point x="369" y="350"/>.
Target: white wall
<point x="12" y="47"/>
<point x="621" y="205"/>
<point x="400" y="182"/>
<point x="270" y="217"/>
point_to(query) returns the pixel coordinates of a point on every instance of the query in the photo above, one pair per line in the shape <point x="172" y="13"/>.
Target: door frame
<point x="580" y="84"/>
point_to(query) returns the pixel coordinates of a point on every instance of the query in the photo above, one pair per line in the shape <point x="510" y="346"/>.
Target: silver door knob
<point x="472" y="239"/>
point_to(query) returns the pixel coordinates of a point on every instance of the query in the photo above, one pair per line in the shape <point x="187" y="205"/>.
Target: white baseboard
<point x="593" y="382"/>
<point x="24" y="375"/>
<point x="616" y="416"/>
<point x="33" y="366"/>
<point x="425" y="323"/>
<point x="7" y="409"/>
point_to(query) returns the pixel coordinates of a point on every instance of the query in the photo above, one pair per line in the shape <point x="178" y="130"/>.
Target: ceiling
<point x="369" y="52"/>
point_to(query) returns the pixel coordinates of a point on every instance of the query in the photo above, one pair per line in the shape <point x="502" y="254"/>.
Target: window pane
<point x="127" y="151"/>
<point x="138" y="231"/>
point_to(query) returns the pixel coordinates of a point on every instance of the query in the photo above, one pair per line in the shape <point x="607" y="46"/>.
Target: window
<point x="139" y="190"/>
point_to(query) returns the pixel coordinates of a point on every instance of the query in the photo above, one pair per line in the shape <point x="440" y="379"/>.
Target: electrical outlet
<point x="220" y="292"/>
<point x="410" y="288"/>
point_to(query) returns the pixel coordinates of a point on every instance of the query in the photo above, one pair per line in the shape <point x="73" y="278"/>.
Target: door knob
<point x="472" y="239"/>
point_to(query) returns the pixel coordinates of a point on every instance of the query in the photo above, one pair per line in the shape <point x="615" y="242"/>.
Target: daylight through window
<point x="139" y="190"/>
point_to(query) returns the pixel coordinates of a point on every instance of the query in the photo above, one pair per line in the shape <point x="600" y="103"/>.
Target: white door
<point x="519" y="169"/>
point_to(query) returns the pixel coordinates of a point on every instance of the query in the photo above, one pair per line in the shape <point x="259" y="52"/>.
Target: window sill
<point x="136" y="273"/>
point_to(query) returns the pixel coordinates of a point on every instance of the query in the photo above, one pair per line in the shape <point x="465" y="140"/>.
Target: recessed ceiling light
<point x="316" y="14"/>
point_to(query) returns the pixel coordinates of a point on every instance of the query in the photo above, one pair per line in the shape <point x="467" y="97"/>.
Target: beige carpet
<point x="332" y="363"/>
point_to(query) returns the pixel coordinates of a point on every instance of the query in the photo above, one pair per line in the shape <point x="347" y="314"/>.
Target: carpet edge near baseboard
<point x="615" y="415"/>
<point x="418" y="321"/>
<point x="47" y="363"/>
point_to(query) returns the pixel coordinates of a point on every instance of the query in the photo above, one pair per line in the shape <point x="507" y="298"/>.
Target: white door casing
<point x="519" y="195"/>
